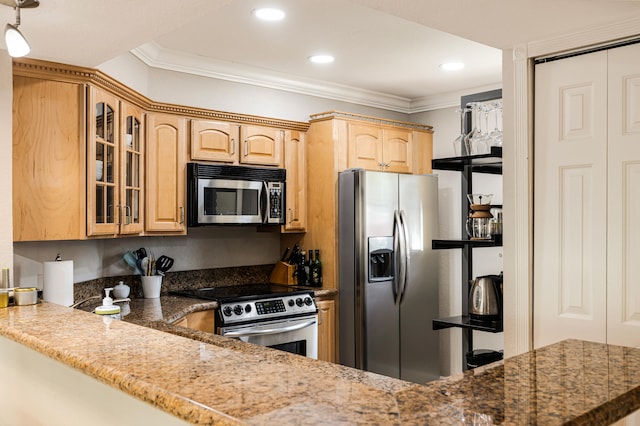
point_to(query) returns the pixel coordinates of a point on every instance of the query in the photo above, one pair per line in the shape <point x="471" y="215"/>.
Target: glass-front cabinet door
<point x="102" y="164"/>
<point x="132" y="170"/>
<point x="115" y="166"/>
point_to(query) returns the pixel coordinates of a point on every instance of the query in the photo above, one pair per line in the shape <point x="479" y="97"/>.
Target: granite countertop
<point x="205" y="378"/>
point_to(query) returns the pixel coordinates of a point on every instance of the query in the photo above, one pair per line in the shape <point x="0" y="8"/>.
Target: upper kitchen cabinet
<point x="103" y="192"/>
<point x="114" y="165"/>
<point x="295" y="160"/>
<point x="374" y="147"/>
<point x="132" y="170"/>
<point x="94" y="159"/>
<point x="379" y="144"/>
<point x="228" y="142"/>
<point x="261" y="145"/>
<point x="166" y="174"/>
<point x="214" y="141"/>
<point x="49" y="159"/>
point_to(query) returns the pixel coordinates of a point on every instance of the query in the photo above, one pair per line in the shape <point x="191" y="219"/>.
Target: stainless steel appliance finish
<point x="388" y="273"/>
<point x="485" y="297"/>
<point x="295" y="335"/>
<point x="235" y="195"/>
<point x="280" y="317"/>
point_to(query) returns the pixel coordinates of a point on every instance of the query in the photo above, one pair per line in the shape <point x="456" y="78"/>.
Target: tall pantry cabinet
<point x="587" y="198"/>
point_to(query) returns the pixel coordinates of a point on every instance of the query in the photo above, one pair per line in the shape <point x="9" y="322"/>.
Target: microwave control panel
<point x="276" y="202"/>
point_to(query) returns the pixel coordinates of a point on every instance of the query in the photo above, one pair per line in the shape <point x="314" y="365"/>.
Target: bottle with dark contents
<point x="316" y="271"/>
<point x="302" y="269"/>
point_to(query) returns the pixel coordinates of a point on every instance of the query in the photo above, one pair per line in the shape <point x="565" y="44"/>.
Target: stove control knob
<point x="299" y="301"/>
<point x="227" y="311"/>
<point x="237" y="310"/>
<point x="308" y="301"/>
<point x="247" y="308"/>
<point x="291" y="302"/>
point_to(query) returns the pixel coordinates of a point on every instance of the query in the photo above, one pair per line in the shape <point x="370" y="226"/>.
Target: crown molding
<point x="153" y="55"/>
<point x="449" y="99"/>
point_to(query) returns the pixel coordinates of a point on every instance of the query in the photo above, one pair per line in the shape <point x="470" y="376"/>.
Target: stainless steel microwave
<point x="234" y="195"/>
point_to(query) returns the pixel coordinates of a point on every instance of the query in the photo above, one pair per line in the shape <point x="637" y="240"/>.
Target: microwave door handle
<point x="264" y="203"/>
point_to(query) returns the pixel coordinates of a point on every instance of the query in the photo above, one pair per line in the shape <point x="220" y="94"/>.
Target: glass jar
<point x="479" y="228"/>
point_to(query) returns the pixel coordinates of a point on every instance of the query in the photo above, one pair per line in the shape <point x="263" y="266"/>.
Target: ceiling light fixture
<point x="452" y="66"/>
<point x="17" y="45"/>
<point x="269" y="14"/>
<point x="321" y="59"/>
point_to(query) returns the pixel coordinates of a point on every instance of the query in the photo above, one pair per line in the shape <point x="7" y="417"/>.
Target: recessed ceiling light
<point x="269" y="14"/>
<point x="452" y="66"/>
<point x="321" y="59"/>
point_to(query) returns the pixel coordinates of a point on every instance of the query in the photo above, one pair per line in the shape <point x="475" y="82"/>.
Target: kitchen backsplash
<point x="178" y="280"/>
<point x="203" y="249"/>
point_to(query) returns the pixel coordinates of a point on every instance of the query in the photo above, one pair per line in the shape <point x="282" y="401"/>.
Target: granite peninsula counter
<point x="203" y="378"/>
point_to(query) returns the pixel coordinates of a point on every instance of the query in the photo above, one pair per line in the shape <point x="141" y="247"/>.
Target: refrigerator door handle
<point x="397" y="248"/>
<point x="405" y="258"/>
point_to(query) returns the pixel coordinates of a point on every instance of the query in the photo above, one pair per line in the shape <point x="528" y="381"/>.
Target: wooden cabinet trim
<point x="70" y="73"/>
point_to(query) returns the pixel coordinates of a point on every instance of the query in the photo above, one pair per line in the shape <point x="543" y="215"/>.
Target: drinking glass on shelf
<point x="475" y="133"/>
<point x="477" y="140"/>
<point x="459" y="148"/>
<point x="496" y="133"/>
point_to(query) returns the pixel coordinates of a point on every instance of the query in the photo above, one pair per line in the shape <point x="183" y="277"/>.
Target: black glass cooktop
<point x="248" y="291"/>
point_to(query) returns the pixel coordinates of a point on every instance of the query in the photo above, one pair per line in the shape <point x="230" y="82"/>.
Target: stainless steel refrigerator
<point x="388" y="273"/>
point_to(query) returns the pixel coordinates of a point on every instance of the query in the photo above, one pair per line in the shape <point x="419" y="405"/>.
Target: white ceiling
<point x="385" y="50"/>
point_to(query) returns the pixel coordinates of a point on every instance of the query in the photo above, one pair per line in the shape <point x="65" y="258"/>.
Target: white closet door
<point x="623" y="313"/>
<point x="570" y="200"/>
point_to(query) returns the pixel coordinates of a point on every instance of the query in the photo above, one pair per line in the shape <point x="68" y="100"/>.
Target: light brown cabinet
<point x="326" y="330"/>
<point x="93" y="158"/>
<point x="233" y="143"/>
<point x="199" y="320"/>
<point x="295" y="160"/>
<point x="132" y="170"/>
<point x="373" y="147"/>
<point x="166" y="174"/>
<point x="114" y="166"/>
<point x="261" y="145"/>
<point x="49" y="160"/>
<point x="214" y="141"/>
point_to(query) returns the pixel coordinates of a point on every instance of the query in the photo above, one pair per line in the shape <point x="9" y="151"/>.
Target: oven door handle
<point x="259" y="332"/>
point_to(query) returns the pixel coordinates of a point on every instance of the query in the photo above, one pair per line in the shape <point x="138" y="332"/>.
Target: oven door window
<point x="298" y="348"/>
<point x="229" y="201"/>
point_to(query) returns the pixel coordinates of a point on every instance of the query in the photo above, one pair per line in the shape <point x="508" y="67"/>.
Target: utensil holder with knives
<point x="282" y="273"/>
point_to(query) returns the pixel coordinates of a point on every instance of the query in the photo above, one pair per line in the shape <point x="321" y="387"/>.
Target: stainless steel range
<point x="279" y="317"/>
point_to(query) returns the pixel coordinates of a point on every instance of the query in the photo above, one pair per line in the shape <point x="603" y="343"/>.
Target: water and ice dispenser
<point x="381" y="261"/>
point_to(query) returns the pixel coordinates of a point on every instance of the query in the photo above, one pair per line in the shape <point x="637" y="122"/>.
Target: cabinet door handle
<point x="127" y="215"/>
<point x="181" y="214"/>
<point x="233" y="146"/>
<point x="290" y="215"/>
<point x="246" y="148"/>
